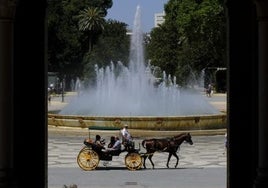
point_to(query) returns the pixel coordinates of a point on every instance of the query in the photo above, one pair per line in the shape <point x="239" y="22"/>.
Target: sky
<point x="124" y="11"/>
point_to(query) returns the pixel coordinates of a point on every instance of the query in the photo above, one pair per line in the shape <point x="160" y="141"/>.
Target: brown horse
<point x="170" y="145"/>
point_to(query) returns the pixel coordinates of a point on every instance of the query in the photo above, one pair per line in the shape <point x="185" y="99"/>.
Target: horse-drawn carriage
<point x="90" y="155"/>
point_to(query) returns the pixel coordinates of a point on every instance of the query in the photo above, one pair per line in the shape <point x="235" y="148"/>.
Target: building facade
<point x="159" y="18"/>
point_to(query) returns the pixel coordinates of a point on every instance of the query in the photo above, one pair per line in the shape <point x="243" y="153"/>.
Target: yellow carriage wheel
<point x="88" y="159"/>
<point x="133" y="161"/>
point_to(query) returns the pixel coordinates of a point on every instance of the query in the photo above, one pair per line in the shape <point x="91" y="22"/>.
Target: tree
<point x="91" y="19"/>
<point x="104" y="5"/>
<point x="193" y="37"/>
<point x="162" y="48"/>
<point x="112" y="46"/>
<point x="66" y="43"/>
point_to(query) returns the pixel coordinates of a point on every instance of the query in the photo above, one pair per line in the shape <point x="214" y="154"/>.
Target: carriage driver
<point x="127" y="140"/>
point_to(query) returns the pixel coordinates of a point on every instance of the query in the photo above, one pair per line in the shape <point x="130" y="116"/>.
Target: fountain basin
<point x="190" y="122"/>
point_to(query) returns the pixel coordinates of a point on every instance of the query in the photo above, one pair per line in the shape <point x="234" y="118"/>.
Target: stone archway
<point x="247" y="46"/>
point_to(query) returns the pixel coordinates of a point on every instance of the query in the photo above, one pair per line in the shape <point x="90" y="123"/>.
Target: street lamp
<point x="62" y="89"/>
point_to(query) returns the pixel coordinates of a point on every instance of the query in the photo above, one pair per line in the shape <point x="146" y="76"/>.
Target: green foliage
<point x="161" y="48"/>
<point x="103" y="4"/>
<point x="67" y="45"/>
<point x="112" y="46"/>
<point x="91" y="20"/>
<point x="64" y="43"/>
<point x="192" y="38"/>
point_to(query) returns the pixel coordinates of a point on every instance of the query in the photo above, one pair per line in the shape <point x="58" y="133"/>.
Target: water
<point x="132" y="91"/>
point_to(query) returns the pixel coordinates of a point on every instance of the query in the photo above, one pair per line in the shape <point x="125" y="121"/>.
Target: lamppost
<point x="57" y="87"/>
<point x="62" y="89"/>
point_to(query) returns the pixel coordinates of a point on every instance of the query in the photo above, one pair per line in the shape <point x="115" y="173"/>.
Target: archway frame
<point x="247" y="25"/>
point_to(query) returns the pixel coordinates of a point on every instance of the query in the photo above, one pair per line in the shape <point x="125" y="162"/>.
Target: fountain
<point x="133" y="95"/>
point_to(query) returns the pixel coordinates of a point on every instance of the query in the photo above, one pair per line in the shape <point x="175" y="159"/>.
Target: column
<point x="262" y="171"/>
<point x="7" y="9"/>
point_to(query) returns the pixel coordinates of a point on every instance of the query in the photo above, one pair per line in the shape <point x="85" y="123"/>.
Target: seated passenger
<point x="116" y="148"/>
<point x="99" y="143"/>
<point x="112" y="141"/>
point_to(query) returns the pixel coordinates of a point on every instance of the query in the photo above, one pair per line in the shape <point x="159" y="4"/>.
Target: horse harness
<point x="171" y="145"/>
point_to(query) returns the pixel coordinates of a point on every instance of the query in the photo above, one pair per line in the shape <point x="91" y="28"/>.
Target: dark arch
<point x="27" y="137"/>
<point x="221" y="80"/>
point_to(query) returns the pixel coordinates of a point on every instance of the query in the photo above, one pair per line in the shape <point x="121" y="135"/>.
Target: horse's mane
<point x="145" y="140"/>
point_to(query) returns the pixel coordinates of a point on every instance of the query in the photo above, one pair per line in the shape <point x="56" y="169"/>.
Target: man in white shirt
<point x="126" y="137"/>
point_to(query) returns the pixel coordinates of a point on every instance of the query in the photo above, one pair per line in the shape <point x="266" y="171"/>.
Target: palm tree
<point x="91" y="19"/>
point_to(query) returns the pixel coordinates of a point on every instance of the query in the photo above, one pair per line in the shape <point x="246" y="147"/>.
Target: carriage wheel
<point x="133" y="161"/>
<point x="88" y="159"/>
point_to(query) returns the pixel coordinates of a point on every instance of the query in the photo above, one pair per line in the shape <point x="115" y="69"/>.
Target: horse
<point x="170" y="145"/>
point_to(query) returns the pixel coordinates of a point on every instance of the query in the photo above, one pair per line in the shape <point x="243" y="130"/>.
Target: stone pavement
<point x="206" y="152"/>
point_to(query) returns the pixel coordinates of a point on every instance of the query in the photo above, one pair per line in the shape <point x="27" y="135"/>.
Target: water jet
<point x="133" y="95"/>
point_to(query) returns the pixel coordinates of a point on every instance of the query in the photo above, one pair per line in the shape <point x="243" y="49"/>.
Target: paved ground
<point x="206" y="152"/>
<point x="201" y="165"/>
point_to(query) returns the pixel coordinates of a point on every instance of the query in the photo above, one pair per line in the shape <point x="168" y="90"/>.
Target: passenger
<point x="99" y="142"/>
<point x="116" y="148"/>
<point x="112" y="141"/>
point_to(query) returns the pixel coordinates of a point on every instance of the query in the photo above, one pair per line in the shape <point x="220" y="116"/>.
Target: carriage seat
<point x="114" y="152"/>
<point x="88" y="142"/>
<point x="129" y="146"/>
